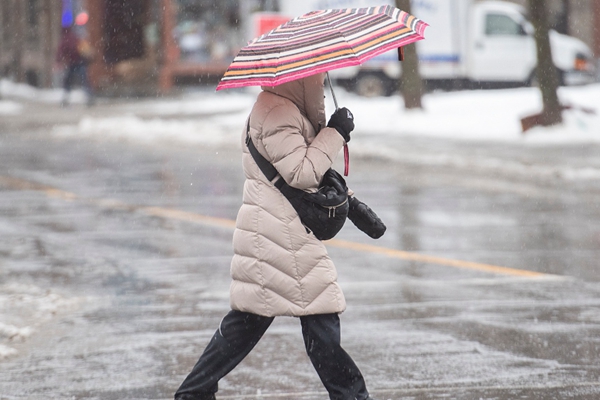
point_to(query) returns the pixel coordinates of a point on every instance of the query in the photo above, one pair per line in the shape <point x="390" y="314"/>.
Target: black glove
<point x="343" y="121"/>
<point x="365" y="219"/>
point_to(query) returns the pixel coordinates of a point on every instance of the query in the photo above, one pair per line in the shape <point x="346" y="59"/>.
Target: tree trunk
<point x="411" y="85"/>
<point x="596" y="30"/>
<point x="546" y="72"/>
<point x="562" y="23"/>
<point x="19" y="41"/>
<point x="46" y="43"/>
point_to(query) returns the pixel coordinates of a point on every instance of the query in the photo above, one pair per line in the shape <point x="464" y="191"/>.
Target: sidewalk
<point x="472" y="132"/>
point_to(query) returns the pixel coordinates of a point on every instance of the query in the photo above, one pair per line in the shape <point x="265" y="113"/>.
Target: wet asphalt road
<point x="485" y="286"/>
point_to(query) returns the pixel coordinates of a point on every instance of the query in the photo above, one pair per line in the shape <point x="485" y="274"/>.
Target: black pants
<point x="239" y="332"/>
<point x="77" y="72"/>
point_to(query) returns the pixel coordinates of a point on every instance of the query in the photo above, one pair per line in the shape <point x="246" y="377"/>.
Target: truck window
<point x="499" y="24"/>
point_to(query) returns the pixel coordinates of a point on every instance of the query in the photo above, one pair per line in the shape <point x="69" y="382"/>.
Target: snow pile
<point x="194" y="104"/>
<point x="481" y="115"/>
<point x="6" y="351"/>
<point x="10" y="107"/>
<point x="205" y="118"/>
<point x="131" y="127"/>
<point x="13" y="333"/>
<point x="25" y="92"/>
<point x="23" y="308"/>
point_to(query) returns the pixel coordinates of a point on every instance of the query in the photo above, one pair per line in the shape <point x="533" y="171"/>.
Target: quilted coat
<point x="278" y="268"/>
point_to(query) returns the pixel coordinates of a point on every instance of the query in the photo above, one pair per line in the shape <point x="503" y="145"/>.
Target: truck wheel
<point x="373" y="85"/>
<point x="534" y="82"/>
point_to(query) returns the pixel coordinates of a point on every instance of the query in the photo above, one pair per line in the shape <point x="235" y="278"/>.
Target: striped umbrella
<point x="321" y="41"/>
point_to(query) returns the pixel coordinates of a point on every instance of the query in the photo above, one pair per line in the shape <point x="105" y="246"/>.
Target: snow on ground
<point x="215" y="117"/>
<point x="481" y="115"/>
<point x="25" y="307"/>
<point x="19" y="91"/>
<point x="484" y="115"/>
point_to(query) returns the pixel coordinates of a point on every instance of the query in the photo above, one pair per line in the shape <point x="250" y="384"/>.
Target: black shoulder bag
<point x="324" y="212"/>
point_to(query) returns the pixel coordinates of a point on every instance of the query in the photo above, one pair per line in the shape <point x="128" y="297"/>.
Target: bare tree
<point x="546" y="72"/>
<point x="19" y="40"/>
<point x="411" y="85"/>
<point x="47" y="39"/>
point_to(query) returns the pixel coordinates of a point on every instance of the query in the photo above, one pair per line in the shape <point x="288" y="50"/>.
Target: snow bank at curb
<point x="478" y="115"/>
<point x="133" y="128"/>
<point x="483" y="116"/>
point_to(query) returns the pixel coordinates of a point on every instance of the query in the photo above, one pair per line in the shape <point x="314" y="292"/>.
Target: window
<point x="207" y="30"/>
<point x="498" y="24"/>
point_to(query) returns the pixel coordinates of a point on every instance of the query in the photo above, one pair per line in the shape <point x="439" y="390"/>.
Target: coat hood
<point x="308" y="95"/>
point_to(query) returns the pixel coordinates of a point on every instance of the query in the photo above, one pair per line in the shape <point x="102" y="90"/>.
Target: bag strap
<point x="265" y="166"/>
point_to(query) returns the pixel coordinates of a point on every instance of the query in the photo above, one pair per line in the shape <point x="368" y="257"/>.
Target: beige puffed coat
<point x="278" y="268"/>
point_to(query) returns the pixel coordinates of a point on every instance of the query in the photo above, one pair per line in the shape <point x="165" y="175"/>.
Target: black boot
<point x="209" y="396"/>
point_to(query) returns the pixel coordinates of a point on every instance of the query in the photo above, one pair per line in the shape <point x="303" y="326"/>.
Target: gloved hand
<point x="365" y="219"/>
<point x="343" y="121"/>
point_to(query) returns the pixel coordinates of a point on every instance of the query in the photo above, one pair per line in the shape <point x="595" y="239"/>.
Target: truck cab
<point x="503" y="48"/>
<point x="467" y="44"/>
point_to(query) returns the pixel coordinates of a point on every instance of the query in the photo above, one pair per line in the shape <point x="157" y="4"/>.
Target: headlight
<point x="582" y="63"/>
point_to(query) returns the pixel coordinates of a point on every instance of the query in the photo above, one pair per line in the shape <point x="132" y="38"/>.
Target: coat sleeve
<point x="301" y="165"/>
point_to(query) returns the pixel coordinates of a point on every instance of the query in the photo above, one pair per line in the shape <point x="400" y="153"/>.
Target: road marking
<point x="411" y="256"/>
<point x="188" y="216"/>
<point x="21" y="184"/>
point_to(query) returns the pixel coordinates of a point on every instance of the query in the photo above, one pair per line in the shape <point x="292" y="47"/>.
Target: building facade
<point x="161" y="43"/>
<point x="29" y="36"/>
<point x="148" y="46"/>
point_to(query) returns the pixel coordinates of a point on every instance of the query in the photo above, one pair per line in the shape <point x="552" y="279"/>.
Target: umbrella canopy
<point x="321" y="41"/>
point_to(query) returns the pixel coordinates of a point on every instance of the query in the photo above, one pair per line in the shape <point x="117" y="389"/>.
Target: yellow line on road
<point x="20" y="184"/>
<point x="423" y="258"/>
<point x="188" y="216"/>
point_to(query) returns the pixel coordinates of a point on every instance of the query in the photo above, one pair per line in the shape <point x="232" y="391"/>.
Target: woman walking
<point x="280" y="269"/>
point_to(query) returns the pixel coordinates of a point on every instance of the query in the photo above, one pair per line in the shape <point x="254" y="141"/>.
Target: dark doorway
<point x="124" y="22"/>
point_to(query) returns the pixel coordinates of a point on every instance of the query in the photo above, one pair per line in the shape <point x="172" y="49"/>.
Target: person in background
<point x="75" y="54"/>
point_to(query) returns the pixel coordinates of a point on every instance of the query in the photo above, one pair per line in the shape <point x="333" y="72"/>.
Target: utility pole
<point x="546" y="72"/>
<point x="411" y="85"/>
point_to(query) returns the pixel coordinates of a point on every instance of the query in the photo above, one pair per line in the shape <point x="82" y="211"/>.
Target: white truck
<point x="468" y="44"/>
